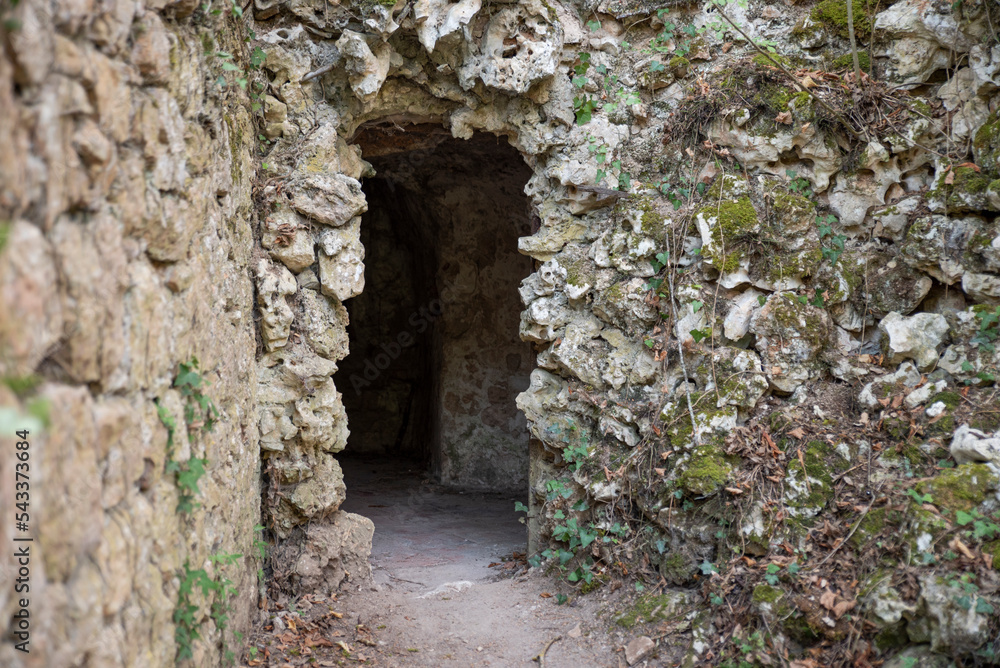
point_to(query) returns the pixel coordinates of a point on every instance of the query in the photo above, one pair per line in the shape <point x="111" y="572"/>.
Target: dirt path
<point x="435" y="600"/>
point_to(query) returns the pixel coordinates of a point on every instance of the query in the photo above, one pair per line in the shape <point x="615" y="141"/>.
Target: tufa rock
<point x="915" y="337"/>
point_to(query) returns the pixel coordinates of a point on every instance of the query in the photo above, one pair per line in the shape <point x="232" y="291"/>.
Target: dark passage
<point x="436" y="360"/>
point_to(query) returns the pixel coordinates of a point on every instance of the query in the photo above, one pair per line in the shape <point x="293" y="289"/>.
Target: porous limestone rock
<point x="973" y="445"/>
<point x="274" y="284"/>
<point x="942" y="621"/>
<point x="790" y="337"/>
<point x="324" y="324"/>
<point x="439" y="19"/>
<point x="520" y="48"/>
<point x="924" y="37"/>
<point x="341" y="261"/>
<point x="331" y="553"/>
<point x="330" y="199"/>
<point x="917" y="337"/>
<point x="290" y="239"/>
<point x="367" y="69"/>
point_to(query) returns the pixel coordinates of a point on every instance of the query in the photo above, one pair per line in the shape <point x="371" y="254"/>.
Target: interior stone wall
<point x="443" y="224"/>
<point x="126" y="242"/>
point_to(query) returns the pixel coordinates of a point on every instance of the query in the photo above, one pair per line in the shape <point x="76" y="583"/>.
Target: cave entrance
<point x="435" y="357"/>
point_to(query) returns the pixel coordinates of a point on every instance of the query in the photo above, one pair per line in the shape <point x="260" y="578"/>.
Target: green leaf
<point x="983" y="607"/>
<point x="257" y="57"/>
<point x="520" y="507"/>
<point x="594" y="26"/>
<point x="707" y="568"/>
<point x="963" y="518"/>
<point x="696" y="305"/>
<point x="649" y="343"/>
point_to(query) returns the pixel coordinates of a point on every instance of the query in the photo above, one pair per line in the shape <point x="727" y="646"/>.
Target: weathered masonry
<point x="645" y="276"/>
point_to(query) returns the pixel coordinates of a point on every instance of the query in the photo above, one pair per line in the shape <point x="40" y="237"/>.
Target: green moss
<point x="791" y="205"/>
<point x="764" y="593"/>
<point x="706" y="472"/>
<point x="651" y="221"/>
<point x="950" y="399"/>
<point x="207" y="43"/>
<point x="960" y="488"/>
<point x="596" y="583"/>
<point x="967" y="190"/>
<point x="22" y="386"/>
<point x="993" y="549"/>
<point x="5" y="227"/>
<point x="736" y="221"/>
<point x="846" y="61"/>
<point x="987" y="143"/>
<point x="988" y="422"/>
<point x="810" y="486"/>
<point x="648" y="608"/>
<point x="833" y="14"/>
<point x="675" y="568"/>
<point x="679" y="63"/>
<point x="869" y="527"/>
<point x="761" y="60"/>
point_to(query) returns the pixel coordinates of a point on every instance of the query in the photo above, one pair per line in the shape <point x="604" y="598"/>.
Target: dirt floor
<point x="450" y="588"/>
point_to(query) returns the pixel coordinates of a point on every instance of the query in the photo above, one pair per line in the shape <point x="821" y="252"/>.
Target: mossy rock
<point x="760" y="60"/>
<point x="951" y="400"/>
<point x="961" y="488"/>
<point x="833" y="14"/>
<point x="986" y="144"/>
<point x="968" y="191"/>
<point x="652" y="608"/>
<point x="808" y="489"/>
<point x="730" y="223"/>
<point x="706" y="472"/>
<point x="675" y="568"/>
<point x="765" y="593"/>
<point x="993" y="549"/>
<point x="846" y="62"/>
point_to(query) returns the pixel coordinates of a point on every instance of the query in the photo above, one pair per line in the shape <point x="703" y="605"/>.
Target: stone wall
<point x="718" y="252"/>
<point x="718" y="256"/>
<point x="127" y="242"/>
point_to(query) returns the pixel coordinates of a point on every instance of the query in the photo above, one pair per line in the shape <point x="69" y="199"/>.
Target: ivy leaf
<point x="696" y="305"/>
<point x="708" y="568"/>
<point x="963" y="518"/>
<point x="698" y="335"/>
<point x="257" y="57"/>
<point x="594" y="26"/>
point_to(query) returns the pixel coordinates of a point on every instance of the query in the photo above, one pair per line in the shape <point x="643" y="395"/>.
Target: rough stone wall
<point x="127" y="237"/>
<point x="130" y="250"/>
<point x="716" y="247"/>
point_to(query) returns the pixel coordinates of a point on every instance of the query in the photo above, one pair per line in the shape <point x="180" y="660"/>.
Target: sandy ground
<point x="435" y="599"/>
